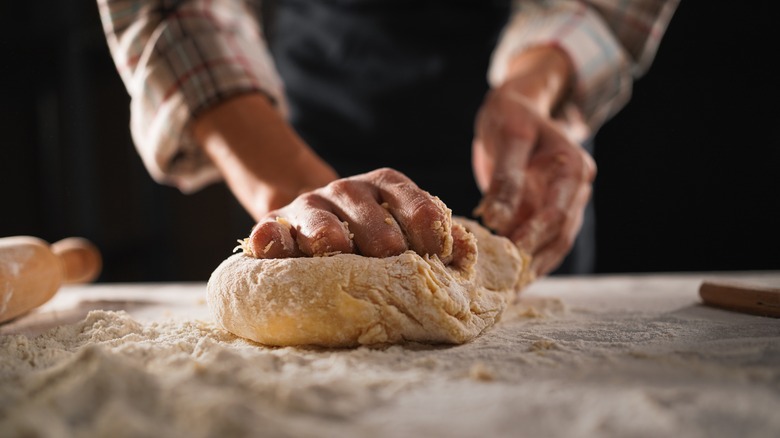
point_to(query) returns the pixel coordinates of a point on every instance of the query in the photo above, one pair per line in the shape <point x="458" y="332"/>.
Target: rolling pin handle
<point x="80" y="259"/>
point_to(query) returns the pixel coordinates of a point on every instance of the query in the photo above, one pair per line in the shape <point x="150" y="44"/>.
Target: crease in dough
<point x="348" y="300"/>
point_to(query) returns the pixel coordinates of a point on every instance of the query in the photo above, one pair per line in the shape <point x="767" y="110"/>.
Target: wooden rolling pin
<point x="32" y="271"/>
<point x="742" y="297"/>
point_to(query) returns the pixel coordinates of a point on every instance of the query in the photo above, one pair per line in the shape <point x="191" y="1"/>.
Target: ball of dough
<point x="348" y="300"/>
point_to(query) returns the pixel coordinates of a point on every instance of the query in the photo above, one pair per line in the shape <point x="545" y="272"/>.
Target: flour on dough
<point x="348" y="300"/>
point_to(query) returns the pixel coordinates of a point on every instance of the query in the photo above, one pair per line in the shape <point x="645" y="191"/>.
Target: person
<point x="330" y="114"/>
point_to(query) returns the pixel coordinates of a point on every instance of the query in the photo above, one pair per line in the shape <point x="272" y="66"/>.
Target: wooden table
<point x="627" y="355"/>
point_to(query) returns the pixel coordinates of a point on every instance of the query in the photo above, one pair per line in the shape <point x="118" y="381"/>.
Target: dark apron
<point x="389" y="83"/>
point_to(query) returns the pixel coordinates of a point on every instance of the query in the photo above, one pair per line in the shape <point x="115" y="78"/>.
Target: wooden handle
<point x="80" y="259"/>
<point x="31" y="271"/>
<point x="741" y="297"/>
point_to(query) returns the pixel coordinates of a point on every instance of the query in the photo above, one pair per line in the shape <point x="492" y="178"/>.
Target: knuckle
<point x="306" y="198"/>
<point x="340" y="186"/>
<point x="385" y="173"/>
<point x="309" y="200"/>
<point x="589" y="167"/>
<point x="578" y="163"/>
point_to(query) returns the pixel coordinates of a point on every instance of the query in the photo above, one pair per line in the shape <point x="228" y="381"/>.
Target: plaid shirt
<point x="178" y="58"/>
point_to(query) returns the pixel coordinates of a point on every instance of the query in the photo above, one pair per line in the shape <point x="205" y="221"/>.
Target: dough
<point x="348" y="300"/>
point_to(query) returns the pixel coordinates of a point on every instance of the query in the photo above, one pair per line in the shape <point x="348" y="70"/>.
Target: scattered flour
<point x="558" y="372"/>
<point x="110" y="375"/>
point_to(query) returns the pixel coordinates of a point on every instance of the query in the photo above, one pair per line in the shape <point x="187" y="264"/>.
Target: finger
<point x="464" y="249"/>
<point x="504" y="193"/>
<point x="424" y="219"/>
<point x="567" y="173"/>
<point x="375" y="232"/>
<point x="545" y="262"/>
<point x="539" y="230"/>
<point x="483" y="147"/>
<point x="319" y="232"/>
<point x="272" y="239"/>
<point x="550" y="256"/>
<point x="544" y="225"/>
<point x="500" y="156"/>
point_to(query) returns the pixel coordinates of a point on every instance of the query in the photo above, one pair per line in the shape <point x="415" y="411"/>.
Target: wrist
<point x="543" y="74"/>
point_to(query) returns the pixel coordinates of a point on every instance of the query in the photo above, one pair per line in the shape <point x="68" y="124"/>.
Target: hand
<point x="536" y="181"/>
<point x="377" y="214"/>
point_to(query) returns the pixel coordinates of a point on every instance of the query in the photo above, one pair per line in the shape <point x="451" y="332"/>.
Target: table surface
<point x="615" y="355"/>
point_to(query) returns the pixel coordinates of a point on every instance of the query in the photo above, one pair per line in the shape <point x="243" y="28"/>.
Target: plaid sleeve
<point x="178" y="58"/>
<point x="611" y="42"/>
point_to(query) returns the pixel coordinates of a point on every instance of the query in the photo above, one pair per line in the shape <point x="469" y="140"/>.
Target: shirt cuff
<point x="603" y="77"/>
<point x="184" y="75"/>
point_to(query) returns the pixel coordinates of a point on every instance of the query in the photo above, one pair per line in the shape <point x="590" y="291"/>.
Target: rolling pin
<point x="749" y="298"/>
<point x="32" y="271"/>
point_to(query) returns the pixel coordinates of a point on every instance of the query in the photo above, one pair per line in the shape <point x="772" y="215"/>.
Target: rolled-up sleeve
<point x="610" y="42"/>
<point x="177" y="59"/>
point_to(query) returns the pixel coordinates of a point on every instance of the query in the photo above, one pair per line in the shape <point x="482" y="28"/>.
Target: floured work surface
<point x="603" y="356"/>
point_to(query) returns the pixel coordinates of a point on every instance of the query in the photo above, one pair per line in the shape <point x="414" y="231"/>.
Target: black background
<point x="689" y="171"/>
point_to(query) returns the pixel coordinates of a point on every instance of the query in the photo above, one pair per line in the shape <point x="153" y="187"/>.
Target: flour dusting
<point x="558" y="365"/>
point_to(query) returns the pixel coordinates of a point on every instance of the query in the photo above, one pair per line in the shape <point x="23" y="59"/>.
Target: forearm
<point x="543" y="74"/>
<point x="262" y="159"/>
<point x="609" y="44"/>
<point x="178" y="59"/>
